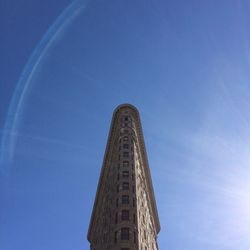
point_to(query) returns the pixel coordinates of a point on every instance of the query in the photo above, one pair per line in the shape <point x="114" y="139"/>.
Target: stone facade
<point x="124" y="215"/>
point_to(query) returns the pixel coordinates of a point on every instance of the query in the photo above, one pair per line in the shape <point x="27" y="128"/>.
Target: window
<point x="117" y="202"/>
<point x="125" y="199"/>
<point x="125" y="185"/>
<point x="125" y="174"/>
<point x="124" y="233"/>
<point x="104" y="237"/>
<point x="126" y="154"/>
<point x="118" y="176"/>
<point x="134" y="218"/>
<point x="125" y="138"/>
<point x="125" y="164"/>
<point x="116" y="218"/>
<point x="126" y="118"/>
<point x="125" y="146"/>
<point x="115" y="239"/>
<point x="117" y="188"/>
<point x="125" y="214"/>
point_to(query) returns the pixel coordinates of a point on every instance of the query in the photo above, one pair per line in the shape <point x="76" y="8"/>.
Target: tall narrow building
<point x="124" y="215"/>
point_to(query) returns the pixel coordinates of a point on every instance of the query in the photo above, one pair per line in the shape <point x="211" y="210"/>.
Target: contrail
<point x="11" y="122"/>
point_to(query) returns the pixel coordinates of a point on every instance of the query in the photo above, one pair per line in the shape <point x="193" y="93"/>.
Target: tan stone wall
<point x="123" y="214"/>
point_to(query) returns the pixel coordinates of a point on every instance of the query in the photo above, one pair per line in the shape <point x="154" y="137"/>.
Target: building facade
<point x="124" y="215"/>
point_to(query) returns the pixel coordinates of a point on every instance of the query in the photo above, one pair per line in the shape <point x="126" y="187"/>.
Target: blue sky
<point x="65" y="65"/>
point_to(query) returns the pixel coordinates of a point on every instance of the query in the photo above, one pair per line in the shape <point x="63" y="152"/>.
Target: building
<point x="124" y="215"/>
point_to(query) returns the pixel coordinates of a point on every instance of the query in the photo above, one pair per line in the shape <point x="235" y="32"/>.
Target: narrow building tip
<point x="125" y="105"/>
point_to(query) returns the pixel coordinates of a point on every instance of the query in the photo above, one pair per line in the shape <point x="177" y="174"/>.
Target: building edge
<point x="145" y="163"/>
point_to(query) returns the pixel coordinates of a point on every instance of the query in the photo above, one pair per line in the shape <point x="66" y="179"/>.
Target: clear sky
<point x="65" y="66"/>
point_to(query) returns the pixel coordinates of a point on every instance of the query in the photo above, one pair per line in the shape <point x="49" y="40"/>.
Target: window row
<point x="124" y="155"/>
<point x="126" y="138"/>
<point x="125" y="174"/>
<point x="125" y="164"/>
<point x="124" y="146"/>
<point x="125" y="216"/>
<point x="125" y="234"/>
<point x="125" y="186"/>
<point x="124" y="200"/>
